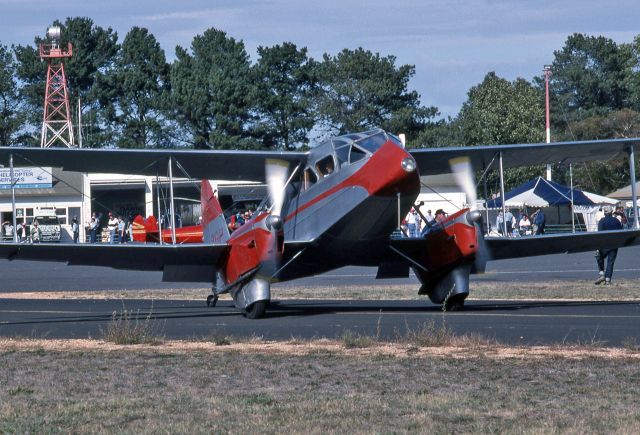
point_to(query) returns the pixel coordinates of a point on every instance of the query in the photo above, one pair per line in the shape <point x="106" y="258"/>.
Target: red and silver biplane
<point x="333" y="206"/>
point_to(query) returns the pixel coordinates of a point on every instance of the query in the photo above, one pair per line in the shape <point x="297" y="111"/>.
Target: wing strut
<point x="171" y="207"/>
<point x="504" y="211"/>
<point x="13" y="199"/>
<point x="634" y="193"/>
<point x="409" y="259"/>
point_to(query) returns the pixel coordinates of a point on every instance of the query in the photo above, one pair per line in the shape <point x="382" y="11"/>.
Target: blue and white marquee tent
<point x="543" y="193"/>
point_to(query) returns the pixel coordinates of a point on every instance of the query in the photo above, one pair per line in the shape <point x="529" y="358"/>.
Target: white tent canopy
<point x="543" y="193"/>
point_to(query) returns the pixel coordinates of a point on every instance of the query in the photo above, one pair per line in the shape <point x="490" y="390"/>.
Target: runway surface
<point x="530" y="323"/>
<point x="510" y="322"/>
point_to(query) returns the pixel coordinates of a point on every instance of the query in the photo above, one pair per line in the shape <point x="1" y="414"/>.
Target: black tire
<point x="455" y="303"/>
<point x="256" y="310"/>
<point x="212" y="300"/>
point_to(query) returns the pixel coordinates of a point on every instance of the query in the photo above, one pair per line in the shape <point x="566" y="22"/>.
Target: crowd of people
<point x="518" y="223"/>
<point x="415" y="226"/>
<point x="119" y="230"/>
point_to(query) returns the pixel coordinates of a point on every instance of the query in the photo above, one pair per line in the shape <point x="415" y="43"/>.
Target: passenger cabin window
<point x="310" y="178"/>
<point x="326" y="166"/>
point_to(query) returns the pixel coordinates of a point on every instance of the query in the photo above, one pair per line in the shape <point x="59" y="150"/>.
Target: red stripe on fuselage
<point x="382" y="174"/>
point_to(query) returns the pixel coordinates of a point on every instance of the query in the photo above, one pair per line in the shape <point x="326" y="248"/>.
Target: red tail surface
<point x="214" y="225"/>
<point x="145" y="230"/>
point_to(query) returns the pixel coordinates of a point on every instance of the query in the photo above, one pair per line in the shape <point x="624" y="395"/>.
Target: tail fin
<point x="214" y="225"/>
<point x="145" y="230"/>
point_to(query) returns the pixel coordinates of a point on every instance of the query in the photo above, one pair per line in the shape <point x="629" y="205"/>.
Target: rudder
<point x="214" y="225"/>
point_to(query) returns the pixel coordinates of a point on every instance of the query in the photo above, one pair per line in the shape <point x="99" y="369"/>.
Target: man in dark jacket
<point x="539" y="221"/>
<point x="607" y="223"/>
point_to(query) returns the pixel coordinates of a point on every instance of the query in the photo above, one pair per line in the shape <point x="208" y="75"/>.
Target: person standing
<point x="20" y="231"/>
<point x="93" y="228"/>
<point x="121" y="230"/>
<point x="129" y="232"/>
<point x="539" y="222"/>
<point x="599" y="215"/>
<point x="75" y="229"/>
<point x="35" y="232"/>
<point x="607" y="223"/>
<point x="112" y="225"/>
<point x="508" y="220"/>
<point x="412" y="223"/>
<point x="621" y="216"/>
<point x="429" y="217"/>
<point x="500" y="222"/>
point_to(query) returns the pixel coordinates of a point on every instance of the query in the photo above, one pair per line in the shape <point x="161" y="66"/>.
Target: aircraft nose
<point x="393" y="171"/>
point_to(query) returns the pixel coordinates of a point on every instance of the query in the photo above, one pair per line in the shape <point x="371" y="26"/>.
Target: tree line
<point x="212" y="96"/>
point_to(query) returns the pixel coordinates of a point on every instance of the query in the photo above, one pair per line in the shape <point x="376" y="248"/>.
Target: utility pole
<point x="547" y="71"/>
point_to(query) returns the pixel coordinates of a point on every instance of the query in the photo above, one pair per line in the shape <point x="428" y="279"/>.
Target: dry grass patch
<point x="129" y="327"/>
<point x="314" y="387"/>
<point x="622" y="290"/>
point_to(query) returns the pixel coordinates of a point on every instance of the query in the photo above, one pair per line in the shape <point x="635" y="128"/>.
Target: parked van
<point x="48" y="223"/>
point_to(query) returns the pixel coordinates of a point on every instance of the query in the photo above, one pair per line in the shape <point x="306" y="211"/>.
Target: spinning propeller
<point x="463" y="173"/>
<point x="276" y="176"/>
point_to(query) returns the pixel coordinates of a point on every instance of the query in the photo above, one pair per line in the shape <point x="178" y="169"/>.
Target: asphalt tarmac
<point x="530" y="323"/>
<point x="527" y="323"/>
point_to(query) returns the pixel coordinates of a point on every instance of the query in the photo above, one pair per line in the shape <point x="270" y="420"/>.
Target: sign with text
<point x="26" y="178"/>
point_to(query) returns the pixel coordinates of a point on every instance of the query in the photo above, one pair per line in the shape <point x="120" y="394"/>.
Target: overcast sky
<point x="452" y="43"/>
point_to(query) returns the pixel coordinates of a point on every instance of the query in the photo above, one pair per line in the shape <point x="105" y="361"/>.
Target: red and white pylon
<point x="56" y="125"/>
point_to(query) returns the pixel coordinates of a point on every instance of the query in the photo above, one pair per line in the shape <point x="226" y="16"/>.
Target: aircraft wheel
<point x="454" y="304"/>
<point x="212" y="300"/>
<point x="256" y="310"/>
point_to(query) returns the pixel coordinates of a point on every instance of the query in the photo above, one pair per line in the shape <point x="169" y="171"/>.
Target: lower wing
<point x="186" y="263"/>
<point x="506" y="247"/>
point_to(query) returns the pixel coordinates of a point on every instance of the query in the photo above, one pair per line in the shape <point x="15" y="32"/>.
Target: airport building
<point x="74" y="194"/>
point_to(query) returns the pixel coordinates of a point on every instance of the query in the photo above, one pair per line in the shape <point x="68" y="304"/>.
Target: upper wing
<point x="185" y="263"/>
<point x="515" y="247"/>
<point x="432" y="161"/>
<point x="221" y="164"/>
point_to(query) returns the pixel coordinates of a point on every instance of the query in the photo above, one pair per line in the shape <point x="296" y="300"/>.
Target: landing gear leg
<point x="212" y="300"/>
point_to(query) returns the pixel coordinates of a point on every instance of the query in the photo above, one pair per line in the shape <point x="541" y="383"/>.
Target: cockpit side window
<point x="356" y="154"/>
<point x="310" y="178"/>
<point x="326" y="166"/>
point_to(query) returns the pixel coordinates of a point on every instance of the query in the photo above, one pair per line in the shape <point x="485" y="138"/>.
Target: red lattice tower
<point x="56" y="125"/>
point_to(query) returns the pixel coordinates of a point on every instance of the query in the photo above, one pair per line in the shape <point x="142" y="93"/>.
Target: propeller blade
<point x="276" y="175"/>
<point x="463" y="173"/>
<point x="483" y="254"/>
